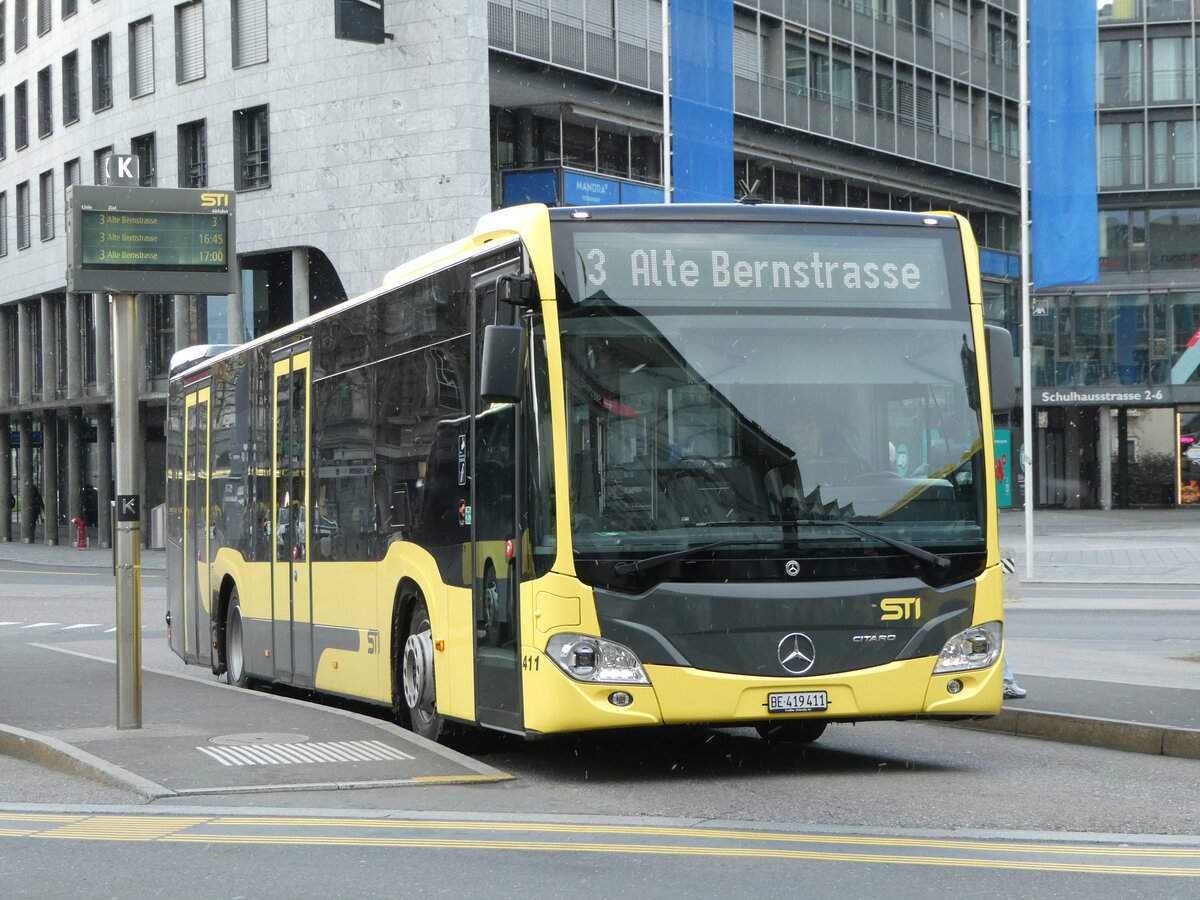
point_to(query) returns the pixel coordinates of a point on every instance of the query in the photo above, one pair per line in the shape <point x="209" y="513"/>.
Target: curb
<point x="1133" y="737"/>
<point x="62" y="757"/>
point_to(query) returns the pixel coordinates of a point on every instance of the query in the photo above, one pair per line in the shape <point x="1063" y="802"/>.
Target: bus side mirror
<point x="502" y="376"/>
<point x="516" y="290"/>
<point x="1001" y="374"/>
<point x="399" y="519"/>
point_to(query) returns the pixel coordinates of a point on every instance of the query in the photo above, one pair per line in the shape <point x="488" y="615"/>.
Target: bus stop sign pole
<point x="126" y="240"/>
<point x="128" y="542"/>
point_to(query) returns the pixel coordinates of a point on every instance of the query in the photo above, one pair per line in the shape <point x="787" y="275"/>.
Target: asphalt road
<point x="866" y="799"/>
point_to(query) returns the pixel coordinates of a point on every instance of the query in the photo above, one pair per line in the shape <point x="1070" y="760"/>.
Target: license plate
<point x="798" y="701"/>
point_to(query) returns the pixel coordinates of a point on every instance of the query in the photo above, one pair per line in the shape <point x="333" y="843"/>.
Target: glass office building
<point x="1116" y="365"/>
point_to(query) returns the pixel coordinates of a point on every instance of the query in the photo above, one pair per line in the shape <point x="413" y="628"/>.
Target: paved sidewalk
<point x="237" y="741"/>
<point x="1135" y="546"/>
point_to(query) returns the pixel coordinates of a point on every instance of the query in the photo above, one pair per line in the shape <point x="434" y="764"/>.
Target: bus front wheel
<point x="235" y="654"/>
<point x="416" y="675"/>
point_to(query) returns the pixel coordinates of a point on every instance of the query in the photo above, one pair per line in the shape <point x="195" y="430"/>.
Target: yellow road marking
<point x="761" y="845"/>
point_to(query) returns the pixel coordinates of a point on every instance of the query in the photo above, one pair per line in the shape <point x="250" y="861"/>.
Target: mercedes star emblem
<point x="797" y="653"/>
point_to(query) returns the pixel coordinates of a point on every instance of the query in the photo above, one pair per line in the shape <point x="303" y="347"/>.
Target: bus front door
<point x="190" y="625"/>
<point x="495" y="539"/>
<point x="292" y="647"/>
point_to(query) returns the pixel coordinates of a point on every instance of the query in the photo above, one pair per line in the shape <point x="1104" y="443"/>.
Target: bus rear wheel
<point x="235" y="653"/>
<point x="804" y="732"/>
<point x="417" y="691"/>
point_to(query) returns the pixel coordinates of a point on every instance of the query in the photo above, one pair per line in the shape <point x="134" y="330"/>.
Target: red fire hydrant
<point x="81" y="544"/>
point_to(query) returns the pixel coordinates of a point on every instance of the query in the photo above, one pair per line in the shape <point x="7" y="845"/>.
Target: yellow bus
<point x="609" y="467"/>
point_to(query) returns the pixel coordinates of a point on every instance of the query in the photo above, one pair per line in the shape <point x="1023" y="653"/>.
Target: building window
<point x="70" y="88"/>
<point x="43" y="14"/>
<point x="23" y="215"/>
<point x="143" y="148"/>
<point x="1002" y="45"/>
<point x="193" y="155"/>
<point x="189" y="41"/>
<point x="45" y="104"/>
<point x="914" y="104"/>
<point x="249" y="32"/>
<point x="1173" y="153"/>
<point x="1171" y="239"/>
<point x="99" y="160"/>
<point x="160" y="333"/>
<point x="71" y="175"/>
<point x="252" y="134"/>
<point x="3" y="31"/>
<point x="746" y="43"/>
<point x="1122" y="159"/>
<point x="46" y="201"/>
<point x="20" y="25"/>
<point x="21" y="116"/>
<point x="1119" y="70"/>
<point x="1003" y="133"/>
<point x="69" y="8"/>
<point x="102" y="95"/>
<point x="141" y="58"/>
<point x="795" y="65"/>
<point x="1172" y="70"/>
<point x="3" y="227"/>
<point x="3" y="127"/>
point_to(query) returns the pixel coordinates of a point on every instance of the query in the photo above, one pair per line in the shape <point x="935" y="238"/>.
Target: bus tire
<point x="417" y="692"/>
<point x="235" y="644"/>
<point x="802" y="732"/>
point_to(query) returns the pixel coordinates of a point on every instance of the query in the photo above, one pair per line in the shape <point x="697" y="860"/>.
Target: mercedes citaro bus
<point x="610" y="467"/>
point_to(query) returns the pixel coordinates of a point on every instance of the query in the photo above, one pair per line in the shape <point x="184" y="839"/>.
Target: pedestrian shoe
<point x="1013" y="691"/>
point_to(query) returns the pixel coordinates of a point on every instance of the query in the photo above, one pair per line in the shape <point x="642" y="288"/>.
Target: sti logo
<point x="214" y="199"/>
<point x="900" y="608"/>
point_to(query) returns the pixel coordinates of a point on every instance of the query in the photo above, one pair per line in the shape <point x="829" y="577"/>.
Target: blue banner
<point x="1062" y="142"/>
<point x="580" y="189"/>
<point x="702" y="100"/>
<point x="530" y="187"/>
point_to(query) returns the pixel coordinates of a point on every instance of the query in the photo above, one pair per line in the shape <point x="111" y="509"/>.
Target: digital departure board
<point x="160" y="240"/>
<point x="151" y="240"/>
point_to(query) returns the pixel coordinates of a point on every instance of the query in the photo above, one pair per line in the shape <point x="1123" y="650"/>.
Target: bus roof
<point x="753" y="212"/>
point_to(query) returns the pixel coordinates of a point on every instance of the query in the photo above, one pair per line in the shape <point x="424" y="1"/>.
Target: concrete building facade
<point x="346" y="156"/>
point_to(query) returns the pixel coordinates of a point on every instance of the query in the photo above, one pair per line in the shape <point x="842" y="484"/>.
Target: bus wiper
<point x="628" y="567"/>
<point x="937" y="559"/>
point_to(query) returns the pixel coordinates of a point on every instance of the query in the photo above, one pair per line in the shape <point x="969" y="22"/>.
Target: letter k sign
<point x="121" y="168"/>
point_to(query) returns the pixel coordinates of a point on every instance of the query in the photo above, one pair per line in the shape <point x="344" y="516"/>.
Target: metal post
<point x="1105" y="442"/>
<point x="668" y="186"/>
<point x="128" y="531"/>
<point x="1026" y="279"/>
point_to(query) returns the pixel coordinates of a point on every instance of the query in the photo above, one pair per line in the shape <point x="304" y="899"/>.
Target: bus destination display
<point x="878" y="268"/>
<point x="120" y="239"/>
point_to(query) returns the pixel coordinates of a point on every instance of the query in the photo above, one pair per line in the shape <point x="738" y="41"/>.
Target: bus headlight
<point x="975" y="648"/>
<point x="594" y="659"/>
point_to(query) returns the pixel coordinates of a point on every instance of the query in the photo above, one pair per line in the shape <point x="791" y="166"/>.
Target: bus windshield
<point x="741" y="423"/>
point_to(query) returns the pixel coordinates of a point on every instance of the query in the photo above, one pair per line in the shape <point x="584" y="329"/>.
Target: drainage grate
<point x="301" y="753"/>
